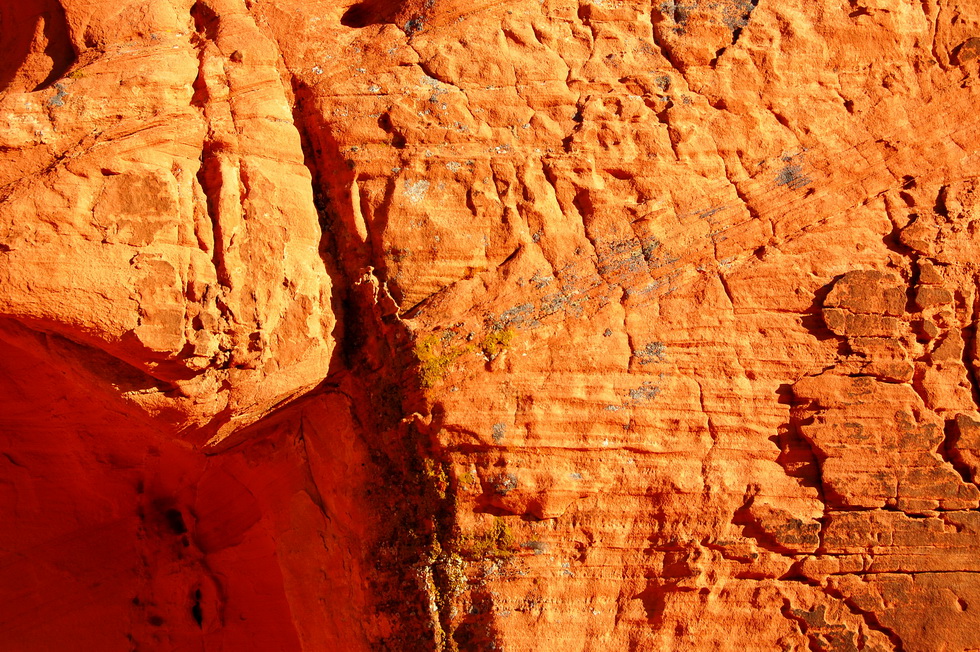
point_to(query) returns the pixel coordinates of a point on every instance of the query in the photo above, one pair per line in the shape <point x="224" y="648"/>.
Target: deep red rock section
<point x="544" y="324"/>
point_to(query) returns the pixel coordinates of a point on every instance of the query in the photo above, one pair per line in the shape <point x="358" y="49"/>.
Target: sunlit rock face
<point x="443" y="325"/>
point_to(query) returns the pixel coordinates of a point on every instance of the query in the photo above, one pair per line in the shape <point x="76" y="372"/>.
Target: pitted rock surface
<point x="496" y="325"/>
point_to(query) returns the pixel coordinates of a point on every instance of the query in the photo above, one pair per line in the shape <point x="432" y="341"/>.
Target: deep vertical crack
<point x="376" y="367"/>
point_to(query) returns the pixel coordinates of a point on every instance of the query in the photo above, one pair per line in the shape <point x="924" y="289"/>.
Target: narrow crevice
<point x="197" y="613"/>
<point x="432" y="74"/>
<point x="813" y="644"/>
<point x="211" y="179"/>
<point x="658" y="39"/>
<point x="377" y="367"/>
<point x="743" y="20"/>
<point x="210" y="175"/>
<point x="728" y="289"/>
<point x="568" y="141"/>
<point x="798" y="456"/>
<point x="205" y="21"/>
<point x="949" y="451"/>
<point x="971" y="346"/>
<point x="870" y="618"/>
<point x="940" y="206"/>
<point x="397" y="137"/>
<point x="746" y="201"/>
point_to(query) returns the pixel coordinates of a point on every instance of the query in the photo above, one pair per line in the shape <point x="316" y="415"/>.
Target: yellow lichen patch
<point x="435" y="355"/>
<point x="436" y="475"/>
<point x="496" y="342"/>
<point x="498" y="542"/>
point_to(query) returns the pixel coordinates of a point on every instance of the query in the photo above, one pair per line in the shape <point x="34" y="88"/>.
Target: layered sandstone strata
<point x="522" y="325"/>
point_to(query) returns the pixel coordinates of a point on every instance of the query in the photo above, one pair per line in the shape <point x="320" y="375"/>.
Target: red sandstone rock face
<point x="498" y="325"/>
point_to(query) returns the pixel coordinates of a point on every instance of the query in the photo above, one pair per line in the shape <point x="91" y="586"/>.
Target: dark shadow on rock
<point x="408" y="15"/>
<point x="35" y="44"/>
<point x="371" y="12"/>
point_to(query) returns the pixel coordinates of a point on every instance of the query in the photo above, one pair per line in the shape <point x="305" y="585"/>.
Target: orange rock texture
<point x="489" y="325"/>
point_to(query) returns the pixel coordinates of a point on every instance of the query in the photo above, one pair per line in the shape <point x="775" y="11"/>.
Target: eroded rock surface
<point x="551" y="324"/>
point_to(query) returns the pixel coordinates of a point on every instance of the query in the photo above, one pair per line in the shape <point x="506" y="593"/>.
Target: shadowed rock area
<point x="521" y="325"/>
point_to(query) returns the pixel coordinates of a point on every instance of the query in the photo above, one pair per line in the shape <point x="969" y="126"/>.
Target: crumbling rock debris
<point x="521" y="325"/>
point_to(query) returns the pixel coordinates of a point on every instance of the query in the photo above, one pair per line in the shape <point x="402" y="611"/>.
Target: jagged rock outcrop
<point x="159" y="235"/>
<point x="552" y="324"/>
